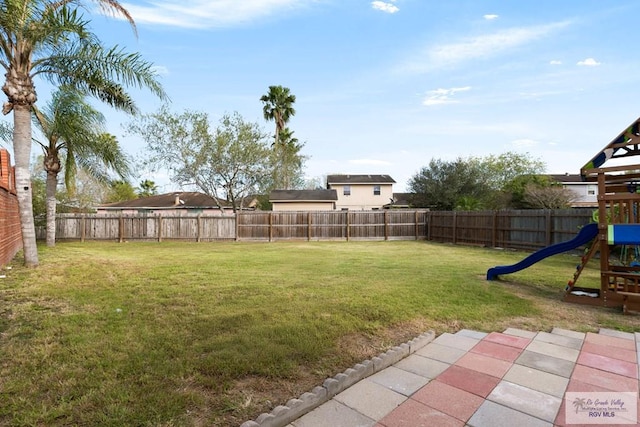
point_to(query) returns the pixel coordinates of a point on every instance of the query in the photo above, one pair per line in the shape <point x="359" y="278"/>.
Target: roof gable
<point x="176" y="200"/>
<point x="359" y="179"/>
<point x="303" y="196"/>
<point x="567" y="178"/>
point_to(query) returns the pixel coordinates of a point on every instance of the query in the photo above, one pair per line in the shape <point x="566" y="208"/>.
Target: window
<point x="346" y="190"/>
<point x="376" y="190"/>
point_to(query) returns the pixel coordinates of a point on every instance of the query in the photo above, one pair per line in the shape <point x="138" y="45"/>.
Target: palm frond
<point x="75" y="131"/>
<point x="6" y="132"/>
<point x="108" y="7"/>
<point x="103" y="73"/>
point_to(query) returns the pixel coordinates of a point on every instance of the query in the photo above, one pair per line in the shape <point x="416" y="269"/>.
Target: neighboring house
<point x="361" y="192"/>
<point x="586" y="192"/>
<point x="303" y="200"/>
<point x="400" y="201"/>
<point x="176" y="203"/>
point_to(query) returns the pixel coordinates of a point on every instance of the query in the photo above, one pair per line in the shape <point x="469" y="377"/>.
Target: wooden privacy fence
<point x="515" y="229"/>
<point x="333" y="225"/>
<point x="528" y="229"/>
<point x="142" y="227"/>
<point x="265" y="226"/>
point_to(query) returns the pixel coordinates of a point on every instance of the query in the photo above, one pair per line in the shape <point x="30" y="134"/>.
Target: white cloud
<point x="443" y="96"/>
<point x="483" y="46"/>
<point x="555" y="62"/>
<point x="490" y="16"/>
<point x="589" y="62"/>
<point x="524" y="143"/>
<point x="373" y="162"/>
<point x="385" y="6"/>
<point x="207" y="13"/>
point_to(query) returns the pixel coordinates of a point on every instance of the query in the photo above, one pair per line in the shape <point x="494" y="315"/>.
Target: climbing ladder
<point x="595" y="247"/>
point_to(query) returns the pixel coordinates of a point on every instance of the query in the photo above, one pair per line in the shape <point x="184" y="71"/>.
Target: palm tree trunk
<point x="52" y="185"/>
<point x="22" y="153"/>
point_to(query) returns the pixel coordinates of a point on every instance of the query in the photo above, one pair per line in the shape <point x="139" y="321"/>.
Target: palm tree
<point x="278" y="106"/>
<point x="147" y="188"/>
<point x="288" y="161"/>
<point x="74" y="134"/>
<point x="120" y="191"/>
<point x="51" y="40"/>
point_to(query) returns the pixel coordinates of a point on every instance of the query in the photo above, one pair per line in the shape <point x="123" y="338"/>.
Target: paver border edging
<point x="282" y="415"/>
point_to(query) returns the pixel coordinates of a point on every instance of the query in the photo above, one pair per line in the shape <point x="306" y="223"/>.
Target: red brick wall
<point x="10" y="234"/>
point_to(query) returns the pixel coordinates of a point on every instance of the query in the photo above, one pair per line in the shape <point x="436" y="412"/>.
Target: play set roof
<point x="624" y="145"/>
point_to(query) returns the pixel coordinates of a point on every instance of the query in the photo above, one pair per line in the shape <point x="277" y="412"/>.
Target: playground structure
<point x="616" y="234"/>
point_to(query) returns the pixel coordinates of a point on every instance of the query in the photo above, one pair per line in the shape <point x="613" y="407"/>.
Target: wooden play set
<point x="618" y="218"/>
<point x="615" y="235"/>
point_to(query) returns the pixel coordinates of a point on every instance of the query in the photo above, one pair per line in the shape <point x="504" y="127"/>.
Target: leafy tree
<point x="228" y="163"/>
<point x="471" y="184"/>
<point x="286" y="163"/>
<point x="120" y="191"/>
<point x="74" y="133"/>
<point x="88" y="193"/>
<point x="442" y="184"/>
<point x="468" y="203"/>
<point x="315" y="183"/>
<point x="263" y="203"/>
<point x="500" y="170"/>
<point x="515" y="189"/>
<point x="147" y="188"/>
<point x="278" y="106"/>
<point x="52" y="40"/>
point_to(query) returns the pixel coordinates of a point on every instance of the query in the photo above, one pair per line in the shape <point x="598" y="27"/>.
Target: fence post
<point x="270" y="226"/>
<point x="348" y="225"/>
<point x="199" y="224"/>
<point x="159" y="228"/>
<point x="455" y="229"/>
<point x="427" y="225"/>
<point x="82" y="227"/>
<point x="237" y="225"/>
<point x="494" y="231"/>
<point x="386" y="225"/>
<point x="549" y="235"/>
<point x="308" y="226"/>
<point x="121" y="228"/>
<point x="415" y="222"/>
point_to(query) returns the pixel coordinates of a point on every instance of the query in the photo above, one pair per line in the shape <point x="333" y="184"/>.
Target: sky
<point x="383" y="87"/>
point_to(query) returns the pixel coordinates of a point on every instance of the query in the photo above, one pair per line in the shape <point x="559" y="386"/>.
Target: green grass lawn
<point x="190" y="334"/>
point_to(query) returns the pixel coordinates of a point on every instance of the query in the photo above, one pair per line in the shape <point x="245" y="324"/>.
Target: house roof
<point x="567" y="178"/>
<point x="360" y="179"/>
<point x="401" y="199"/>
<point x="175" y="200"/>
<point x="303" y="196"/>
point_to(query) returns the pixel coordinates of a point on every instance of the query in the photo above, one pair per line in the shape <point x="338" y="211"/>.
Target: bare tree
<point x="551" y="197"/>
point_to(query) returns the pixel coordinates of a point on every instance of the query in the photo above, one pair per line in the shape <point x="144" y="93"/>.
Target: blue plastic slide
<point x="586" y="234"/>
